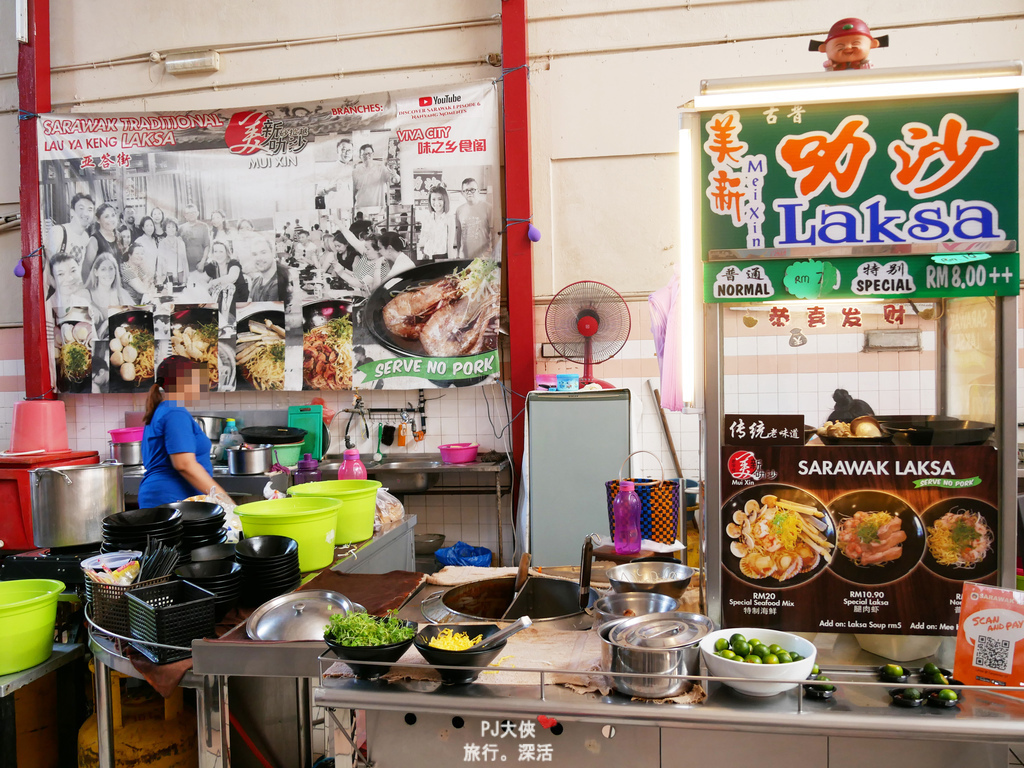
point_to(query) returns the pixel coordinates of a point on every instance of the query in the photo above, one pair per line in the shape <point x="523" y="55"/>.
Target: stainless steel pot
<point x="653" y="647"/>
<point x="250" y="460"/>
<point x="212" y="426"/>
<point x="69" y="503"/>
<point x="129" y="454"/>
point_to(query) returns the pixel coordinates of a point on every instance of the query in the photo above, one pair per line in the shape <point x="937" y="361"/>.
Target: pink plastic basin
<point x="126" y="435"/>
<point x="458" y="453"/>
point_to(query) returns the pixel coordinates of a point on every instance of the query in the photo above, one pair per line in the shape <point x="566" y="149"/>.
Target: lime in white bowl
<point x="779" y="674"/>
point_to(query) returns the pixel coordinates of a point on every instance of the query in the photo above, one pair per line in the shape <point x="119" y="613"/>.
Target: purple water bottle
<point x="626" y="511"/>
<point x="308" y="471"/>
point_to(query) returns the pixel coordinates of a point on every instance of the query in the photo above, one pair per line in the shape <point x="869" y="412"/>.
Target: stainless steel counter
<point x="235" y="485"/>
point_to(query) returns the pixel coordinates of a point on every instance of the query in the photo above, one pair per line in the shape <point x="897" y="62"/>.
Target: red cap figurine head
<point x="848" y="45"/>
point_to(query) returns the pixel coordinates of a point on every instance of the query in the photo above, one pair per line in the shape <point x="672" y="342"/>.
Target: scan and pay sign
<point x="907" y="277"/>
<point x="881" y="173"/>
<point x="755" y="429"/>
<point x="990" y="639"/>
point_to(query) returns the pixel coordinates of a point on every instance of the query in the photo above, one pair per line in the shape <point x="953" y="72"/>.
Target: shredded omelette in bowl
<point x="447" y="640"/>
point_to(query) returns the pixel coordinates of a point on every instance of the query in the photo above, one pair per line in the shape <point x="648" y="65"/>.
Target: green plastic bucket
<point x="288" y="454"/>
<point x="28" y="612"/>
<point x="309" y="521"/>
<point x="358" y="503"/>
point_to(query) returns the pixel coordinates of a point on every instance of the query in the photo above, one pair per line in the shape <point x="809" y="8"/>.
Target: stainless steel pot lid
<point x="661" y="630"/>
<point x="298" y="615"/>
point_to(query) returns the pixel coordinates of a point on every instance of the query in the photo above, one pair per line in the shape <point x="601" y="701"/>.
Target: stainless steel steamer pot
<point x="250" y="460"/>
<point x="69" y="503"/>
<point x="129" y="454"/>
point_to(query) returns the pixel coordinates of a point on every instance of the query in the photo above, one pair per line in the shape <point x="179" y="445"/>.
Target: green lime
<point x="948" y="695"/>
<point x="911" y="693"/>
<point x="795" y="656"/>
<point x="930" y="668"/>
<point x="815" y="670"/>
<point x="741" y="647"/>
<point x="752" y="659"/>
<point x="828" y="687"/>
<point x="760" y="650"/>
<point x="938" y="679"/>
<point x="771" y="658"/>
<point x="728" y="654"/>
<point x="784" y="657"/>
<point x="892" y="670"/>
<point x="775" y="648"/>
<point x="721" y="644"/>
<point x="754" y="641"/>
<point x="737" y="638"/>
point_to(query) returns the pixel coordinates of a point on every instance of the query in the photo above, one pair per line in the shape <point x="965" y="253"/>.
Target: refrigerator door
<point x="577" y="442"/>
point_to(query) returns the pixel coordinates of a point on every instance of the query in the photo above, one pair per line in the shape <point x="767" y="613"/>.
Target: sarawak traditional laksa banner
<point x="320" y="246"/>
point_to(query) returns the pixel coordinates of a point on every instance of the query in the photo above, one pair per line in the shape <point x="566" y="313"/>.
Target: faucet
<point x="358" y="408"/>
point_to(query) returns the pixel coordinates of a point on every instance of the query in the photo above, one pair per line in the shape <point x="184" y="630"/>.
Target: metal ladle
<point x="516" y="626"/>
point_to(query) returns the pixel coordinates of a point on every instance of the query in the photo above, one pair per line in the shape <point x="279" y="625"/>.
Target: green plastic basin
<point x="288" y="454"/>
<point x="358" y="503"/>
<point x="28" y="612"/>
<point x="309" y="521"/>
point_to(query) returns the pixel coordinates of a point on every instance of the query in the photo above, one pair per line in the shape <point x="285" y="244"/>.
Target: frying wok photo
<point x="937" y="430"/>
<point x="432" y="289"/>
<point x="880" y="538"/>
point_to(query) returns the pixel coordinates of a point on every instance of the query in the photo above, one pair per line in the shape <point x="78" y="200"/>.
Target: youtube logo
<point x="426" y="101"/>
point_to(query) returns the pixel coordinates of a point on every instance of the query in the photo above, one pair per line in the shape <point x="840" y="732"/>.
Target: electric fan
<point x="587" y="322"/>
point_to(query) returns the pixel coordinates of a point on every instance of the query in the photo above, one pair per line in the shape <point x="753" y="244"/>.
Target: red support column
<point x="34" y="98"/>
<point x="515" y="62"/>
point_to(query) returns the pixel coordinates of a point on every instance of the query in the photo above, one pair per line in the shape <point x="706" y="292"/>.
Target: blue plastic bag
<point x="462" y="553"/>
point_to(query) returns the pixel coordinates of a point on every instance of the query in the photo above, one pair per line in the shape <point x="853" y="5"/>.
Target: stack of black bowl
<point x="137" y="528"/>
<point x="270" y="567"/>
<point x="203" y="526"/>
<point x="222" y="577"/>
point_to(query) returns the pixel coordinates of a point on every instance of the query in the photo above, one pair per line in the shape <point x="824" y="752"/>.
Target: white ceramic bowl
<point x="796" y="671"/>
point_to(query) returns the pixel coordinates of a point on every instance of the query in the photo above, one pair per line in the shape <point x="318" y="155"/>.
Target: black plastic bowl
<point x="386" y="654"/>
<point x="212" y="569"/>
<point x="149" y="516"/>
<point x="263" y="547"/>
<point x="198" y="511"/>
<point x="468" y="658"/>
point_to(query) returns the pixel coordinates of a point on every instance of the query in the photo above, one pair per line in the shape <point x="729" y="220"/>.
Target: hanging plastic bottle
<point x="352" y="468"/>
<point x="307" y="470"/>
<point x="230" y="438"/>
<point x="626" y="511"/>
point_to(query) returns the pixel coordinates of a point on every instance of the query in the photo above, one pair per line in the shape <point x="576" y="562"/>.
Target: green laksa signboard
<point x="887" y="173"/>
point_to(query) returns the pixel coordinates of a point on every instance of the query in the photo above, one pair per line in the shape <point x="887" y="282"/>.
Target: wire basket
<point x="110" y="602"/>
<point x="174" y="613"/>
<point x="659" y="504"/>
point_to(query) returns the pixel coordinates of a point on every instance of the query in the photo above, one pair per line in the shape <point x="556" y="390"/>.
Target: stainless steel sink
<point x="401" y="474"/>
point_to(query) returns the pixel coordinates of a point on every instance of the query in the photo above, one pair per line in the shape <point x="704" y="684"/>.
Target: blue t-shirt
<point x="171" y="430"/>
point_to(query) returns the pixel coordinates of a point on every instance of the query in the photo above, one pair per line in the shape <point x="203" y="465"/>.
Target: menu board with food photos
<point x="341" y="244"/>
<point x="848" y="537"/>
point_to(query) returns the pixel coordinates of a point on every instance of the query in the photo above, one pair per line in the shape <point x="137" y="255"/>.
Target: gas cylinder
<point x="148" y="731"/>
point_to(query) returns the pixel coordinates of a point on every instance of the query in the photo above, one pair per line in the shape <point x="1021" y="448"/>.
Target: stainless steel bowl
<point x="129" y="454"/>
<point x="250" y="460"/>
<point x="629" y="604"/>
<point x="428" y="543"/>
<point x="653" y="664"/>
<point x="212" y="426"/>
<point x="670" y="579"/>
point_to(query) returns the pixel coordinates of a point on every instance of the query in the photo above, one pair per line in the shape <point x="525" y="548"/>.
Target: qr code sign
<point x="993" y="653"/>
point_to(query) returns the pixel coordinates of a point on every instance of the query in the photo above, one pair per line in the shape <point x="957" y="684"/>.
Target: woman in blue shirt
<point x="175" y="451"/>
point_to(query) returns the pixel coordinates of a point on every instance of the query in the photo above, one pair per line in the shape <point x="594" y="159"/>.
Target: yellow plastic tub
<point x="311" y="522"/>
<point x="28" y="612"/>
<point x="358" y="503"/>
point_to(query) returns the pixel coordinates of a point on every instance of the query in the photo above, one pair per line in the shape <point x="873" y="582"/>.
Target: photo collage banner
<point x="334" y="245"/>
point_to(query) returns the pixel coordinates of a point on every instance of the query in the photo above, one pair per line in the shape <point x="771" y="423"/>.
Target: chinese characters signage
<point x="322" y="246"/>
<point x="916" y="171"/>
<point x="747" y="429"/>
<point x="916" y="277"/>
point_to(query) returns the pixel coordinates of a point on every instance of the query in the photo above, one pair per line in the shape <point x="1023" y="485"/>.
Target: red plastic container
<point x="39" y="425"/>
<point x="458" y="453"/>
<point x="126" y="434"/>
